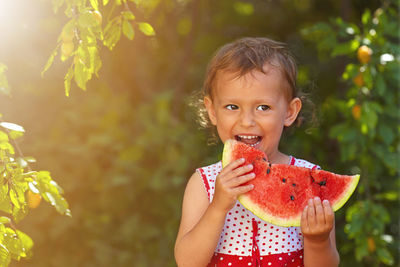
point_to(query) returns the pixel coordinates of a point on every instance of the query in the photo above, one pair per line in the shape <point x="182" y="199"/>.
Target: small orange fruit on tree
<point x="359" y="80"/>
<point x="33" y="200"/>
<point x="371" y="244"/>
<point x="364" y="54"/>
<point x="356" y="111"/>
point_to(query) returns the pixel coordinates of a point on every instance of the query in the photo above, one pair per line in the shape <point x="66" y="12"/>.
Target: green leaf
<point x="86" y="19"/>
<point x="146" y="28"/>
<point x="105" y="2"/>
<point x="26" y="241"/>
<point x="15" y="134"/>
<point x="81" y="75"/>
<point x="7" y="147"/>
<point x="95" y="4"/>
<point x="384" y="255"/>
<point x="350" y="71"/>
<point x="67" y="80"/>
<point x="366" y="16"/>
<point x="4" y="220"/>
<point x="50" y="61"/>
<point x="5" y="257"/>
<point x="112" y="32"/>
<point x="13" y="244"/>
<point x="128" y="15"/>
<point x="51" y="192"/>
<point x="14" y="198"/>
<point x="3" y="137"/>
<point x="5" y="205"/>
<point x="127" y="29"/>
<point x="368" y="116"/>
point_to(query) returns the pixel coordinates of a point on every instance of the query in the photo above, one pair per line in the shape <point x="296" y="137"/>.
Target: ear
<point x="210" y="109"/>
<point x="293" y="110"/>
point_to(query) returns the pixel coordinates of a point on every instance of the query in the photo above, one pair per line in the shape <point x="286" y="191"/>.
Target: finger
<point x="241" y="179"/>
<point x="304" y="221"/>
<point x="242" y="189"/>
<point x="241" y="170"/>
<point x="329" y="215"/>
<point x="319" y="211"/>
<point x="232" y="165"/>
<point x="311" y="214"/>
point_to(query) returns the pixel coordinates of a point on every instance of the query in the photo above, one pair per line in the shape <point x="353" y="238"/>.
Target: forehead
<point x="258" y="84"/>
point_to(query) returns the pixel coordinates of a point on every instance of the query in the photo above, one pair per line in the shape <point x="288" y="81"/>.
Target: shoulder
<point x="194" y="191"/>
<point x="208" y="175"/>
<point x="303" y="163"/>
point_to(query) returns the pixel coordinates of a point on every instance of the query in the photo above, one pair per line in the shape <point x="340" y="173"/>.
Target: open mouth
<point x="251" y="140"/>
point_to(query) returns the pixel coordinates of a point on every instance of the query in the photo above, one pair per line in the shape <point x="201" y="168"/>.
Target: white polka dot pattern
<point x="236" y="236"/>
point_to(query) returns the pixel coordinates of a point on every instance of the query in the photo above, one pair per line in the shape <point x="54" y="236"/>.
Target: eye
<point x="231" y="107"/>
<point x="263" y="107"/>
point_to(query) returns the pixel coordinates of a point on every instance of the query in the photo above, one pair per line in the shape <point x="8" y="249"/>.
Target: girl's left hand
<point x="317" y="220"/>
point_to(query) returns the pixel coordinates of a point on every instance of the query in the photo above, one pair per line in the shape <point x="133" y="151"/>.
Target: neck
<point x="279" y="158"/>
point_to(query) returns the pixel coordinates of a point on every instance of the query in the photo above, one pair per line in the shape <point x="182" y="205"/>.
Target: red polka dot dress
<point x="246" y="240"/>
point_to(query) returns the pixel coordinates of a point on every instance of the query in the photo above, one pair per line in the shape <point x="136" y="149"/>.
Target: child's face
<point x="253" y="108"/>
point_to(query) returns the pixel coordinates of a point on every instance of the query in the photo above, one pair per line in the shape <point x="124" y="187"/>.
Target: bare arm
<point x="200" y="227"/>
<point x="202" y="222"/>
<point x="318" y="227"/>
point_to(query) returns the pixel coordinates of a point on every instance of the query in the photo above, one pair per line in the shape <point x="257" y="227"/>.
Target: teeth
<point x="248" y="136"/>
<point x="253" y="145"/>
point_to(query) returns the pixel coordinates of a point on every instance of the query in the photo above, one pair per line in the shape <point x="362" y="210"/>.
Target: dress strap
<point x="292" y="160"/>
<point x="255" y="251"/>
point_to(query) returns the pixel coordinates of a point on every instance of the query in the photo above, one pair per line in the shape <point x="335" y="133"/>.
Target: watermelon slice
<point x="282" y="191"/>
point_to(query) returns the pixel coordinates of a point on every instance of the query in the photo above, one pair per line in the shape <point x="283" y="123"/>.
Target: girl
<point x="250" y="95"/>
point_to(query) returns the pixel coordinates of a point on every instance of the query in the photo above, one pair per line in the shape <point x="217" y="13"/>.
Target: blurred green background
<point x="124" y="148"/>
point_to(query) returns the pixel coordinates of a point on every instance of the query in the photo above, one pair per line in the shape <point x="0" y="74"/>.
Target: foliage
<point x="124" y="149"/>
<point x="82" y="35"/>
<point x="21" y="189"/>
<point x="363" y="118"/>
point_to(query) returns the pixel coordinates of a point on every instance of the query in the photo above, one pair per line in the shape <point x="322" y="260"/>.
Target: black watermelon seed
<point x="284" y="180"/>
<point x="294" y="184"/>
<point x="291" y="197"/>
<point x="268" y="171"/>
<point x="264" y="159"/>
<point x="322" y="183"/>
<point x="269" y="164"/>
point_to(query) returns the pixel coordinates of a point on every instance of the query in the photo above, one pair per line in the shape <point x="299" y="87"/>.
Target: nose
<point x="247" y="119"/>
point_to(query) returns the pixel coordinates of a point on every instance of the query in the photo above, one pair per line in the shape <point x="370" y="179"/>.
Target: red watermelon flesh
<point x="281" y="191"/>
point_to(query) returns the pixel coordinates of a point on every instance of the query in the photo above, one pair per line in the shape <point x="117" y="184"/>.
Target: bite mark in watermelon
<point x="282" y="191"/>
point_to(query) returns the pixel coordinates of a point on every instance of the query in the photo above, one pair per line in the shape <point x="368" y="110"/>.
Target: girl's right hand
<point x="228" y="184"/>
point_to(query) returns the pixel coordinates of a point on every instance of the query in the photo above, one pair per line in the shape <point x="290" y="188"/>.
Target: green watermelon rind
<point x="347" y="194"/>
<point x="246" y="201"/>
<point x="227" y="153"/>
